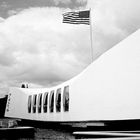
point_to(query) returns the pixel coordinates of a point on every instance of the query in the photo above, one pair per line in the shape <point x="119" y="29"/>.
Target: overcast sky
<point x="36" y="47"/>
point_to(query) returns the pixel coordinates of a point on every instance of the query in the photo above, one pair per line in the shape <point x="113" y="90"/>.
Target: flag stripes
<point x="81" y="17"/>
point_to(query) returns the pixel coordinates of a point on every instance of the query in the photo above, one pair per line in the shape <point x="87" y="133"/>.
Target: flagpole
<point x="91" y="39"/>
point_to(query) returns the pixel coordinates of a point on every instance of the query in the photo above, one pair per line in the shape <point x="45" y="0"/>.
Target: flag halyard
<point x="80" y="17"/>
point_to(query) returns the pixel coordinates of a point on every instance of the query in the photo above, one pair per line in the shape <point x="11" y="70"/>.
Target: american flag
<point x="80" y="17"/>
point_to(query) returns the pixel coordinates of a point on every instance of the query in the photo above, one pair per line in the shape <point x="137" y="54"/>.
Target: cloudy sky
<point x="36" y="47"/>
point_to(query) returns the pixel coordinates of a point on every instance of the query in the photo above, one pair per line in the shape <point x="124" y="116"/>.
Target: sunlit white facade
<point x="108" y="89"/>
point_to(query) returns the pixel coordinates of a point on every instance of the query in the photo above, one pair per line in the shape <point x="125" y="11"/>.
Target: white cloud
<point x="113" y="21"/>
<point x="1" y="19"/>
<point x="36" y="47"/>
<point x="14" y="12"/>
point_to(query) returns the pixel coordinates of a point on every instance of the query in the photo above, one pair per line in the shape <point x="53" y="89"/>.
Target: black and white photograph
<point x="69" y="69"/>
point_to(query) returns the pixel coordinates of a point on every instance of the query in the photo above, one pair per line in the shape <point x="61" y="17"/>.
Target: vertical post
<point x="91" y="45"/>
